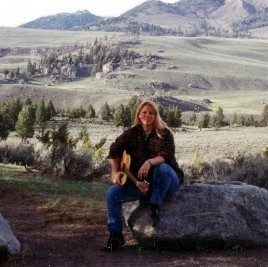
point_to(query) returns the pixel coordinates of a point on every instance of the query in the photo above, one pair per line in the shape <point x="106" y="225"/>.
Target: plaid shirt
<point x="141" y="147"/>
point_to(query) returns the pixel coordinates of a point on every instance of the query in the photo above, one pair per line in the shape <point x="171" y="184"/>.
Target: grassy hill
<point x="63" y="21"/>
<point x="232" y="73"/>
<point x="236" y="18"/>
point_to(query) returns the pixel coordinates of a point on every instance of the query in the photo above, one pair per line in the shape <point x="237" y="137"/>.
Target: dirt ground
<point x="71" y="237"/>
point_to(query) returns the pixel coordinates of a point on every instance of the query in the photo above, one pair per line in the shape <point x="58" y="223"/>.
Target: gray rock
<point x="205" y="215"/>
<point x="7" y="238"/>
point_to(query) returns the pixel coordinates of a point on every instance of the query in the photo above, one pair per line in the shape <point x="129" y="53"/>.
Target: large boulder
<point x="7" y="238"/>
<point x="205" y="215"/>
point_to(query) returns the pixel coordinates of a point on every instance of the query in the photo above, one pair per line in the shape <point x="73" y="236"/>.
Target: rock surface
<point x="205" y="215"/>
<point x="7" y="238"/>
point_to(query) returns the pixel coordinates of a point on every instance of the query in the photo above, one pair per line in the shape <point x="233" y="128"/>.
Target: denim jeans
<point x="163" y="180"/>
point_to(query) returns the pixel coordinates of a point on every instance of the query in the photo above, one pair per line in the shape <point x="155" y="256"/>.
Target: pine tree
<point x="173" y="117"/>
<point x="119" y="116"/>
<point x="25" y="124"/>
<point x="250" y="121"/>
<point x="264" y="120"/>
<point x="40" y="114"/>
<point x="234" y="119"/>
<point x="4" y="125"/>
<point x="242" y="120"/>
<point x="12" y="108"/>
<point x="6" y="72"/>
<point x="17" y="73"/>
<point x="133" y="104"/>
<point x="161" y="111"/>
<point x="127" y="118"/>
<point x="218" y="119"/>
<point x="192" y="119"/>
<point x="90" y="112"/>
<point x="105" y="112"/>
<point x="50" y="110"/>
<point x="122" y="116"/>
<point x="28" y="101"/>
<point x="204" y="121"/>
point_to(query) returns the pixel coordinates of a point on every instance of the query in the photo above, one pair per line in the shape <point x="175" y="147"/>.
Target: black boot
<point x="154" y="209"/>
<point x="115" y="241"/>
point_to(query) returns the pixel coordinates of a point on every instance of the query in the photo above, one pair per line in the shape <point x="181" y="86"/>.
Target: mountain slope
<point x="225" y="18"/>
<point x="63" y="21"/>
<point x="191" y="18"/>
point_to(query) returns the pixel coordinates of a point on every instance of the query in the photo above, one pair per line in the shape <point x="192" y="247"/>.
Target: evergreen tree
<point x="50" y="110"/>
<point x="242" y="120"/>
<point x="12" y="109"/>
<point x="173" y="117"/>
<point x="12" y="74"/>
<point x="25" y="123"/>
<point x="234" y="119"/>
<point x="192" y="119"/>
<point x="122" y="116"/>
<point x="90" y="112"/>
<point x="105" y="112"/>
<point x="4" y="125"/>
<point x="119" y="115"/>
<point x="204" y="121"/>
<point x="133" y="105"/>
<point x="6" y="72"/>
<point x="218" y="119"/>
<point x="264" y="120"/>
<point x="28" y="101"/>
<point x="161" y="111"/>
<point x="127" y="119"/>
<point x="40" y="114"/>
<point x="250" y="121"/>
<point x="17" y="73"/>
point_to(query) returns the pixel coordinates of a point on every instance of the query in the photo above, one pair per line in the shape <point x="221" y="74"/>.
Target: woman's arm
<point x="145" y="167"/>
<point x="116" y="173"/>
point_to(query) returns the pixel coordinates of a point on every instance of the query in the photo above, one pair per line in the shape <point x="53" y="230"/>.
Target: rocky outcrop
<point x="205" y="215"/>
<point x="7" y="238"/>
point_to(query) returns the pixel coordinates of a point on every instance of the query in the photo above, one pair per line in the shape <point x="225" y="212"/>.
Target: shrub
<point x="250" y="169"/>
<point x="254" y="171"/>
<point x="22" y="154"/>
<point x="58" y="155"/>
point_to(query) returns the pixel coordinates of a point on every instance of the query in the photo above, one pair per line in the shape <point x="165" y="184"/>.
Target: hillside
<point x="63" y="21"/>
<point x="225" y="18"/>
<point x="199" y="74"/>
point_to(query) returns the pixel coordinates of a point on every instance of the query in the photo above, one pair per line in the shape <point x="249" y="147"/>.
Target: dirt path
<point x="71" y="237"/>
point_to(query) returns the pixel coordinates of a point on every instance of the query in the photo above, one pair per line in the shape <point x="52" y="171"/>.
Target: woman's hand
<point x="118" y="177"/>
<point x="144" y="170"/>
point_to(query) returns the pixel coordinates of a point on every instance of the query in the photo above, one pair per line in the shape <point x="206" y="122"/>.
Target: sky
<point x="16" y="12"/>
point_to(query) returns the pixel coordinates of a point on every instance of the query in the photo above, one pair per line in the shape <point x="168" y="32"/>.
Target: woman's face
<point x="147" y="116"/>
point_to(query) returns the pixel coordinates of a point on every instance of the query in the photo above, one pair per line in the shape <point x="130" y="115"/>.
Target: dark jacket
<point x="141" y="147"/>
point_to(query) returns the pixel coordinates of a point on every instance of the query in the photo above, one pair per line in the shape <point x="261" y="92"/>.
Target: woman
<point x="150" y="144"/>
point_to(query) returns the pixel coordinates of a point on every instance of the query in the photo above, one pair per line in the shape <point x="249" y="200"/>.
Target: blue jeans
<point x="163" y="180"/>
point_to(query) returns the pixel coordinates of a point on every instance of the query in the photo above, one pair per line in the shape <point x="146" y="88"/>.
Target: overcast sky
<point x="16" y="12"/>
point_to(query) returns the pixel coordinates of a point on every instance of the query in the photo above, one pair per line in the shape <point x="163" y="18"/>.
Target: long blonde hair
<point x="159" y="124"/>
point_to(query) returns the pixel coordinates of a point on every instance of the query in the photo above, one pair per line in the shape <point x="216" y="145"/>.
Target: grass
<point x="33" y="38"/>
<point x="236" y="69"/>
<point x="56" y="191"/>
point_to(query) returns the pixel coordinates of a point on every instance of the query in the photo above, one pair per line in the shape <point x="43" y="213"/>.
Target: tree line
<point x="59" y="154"/>
<point x="23" y="117"/>
<point x="206" y="120"/>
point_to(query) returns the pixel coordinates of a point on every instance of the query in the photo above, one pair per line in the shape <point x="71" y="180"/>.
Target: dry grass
<point x="220" y="144"/>
<point x="210" y="143"/>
